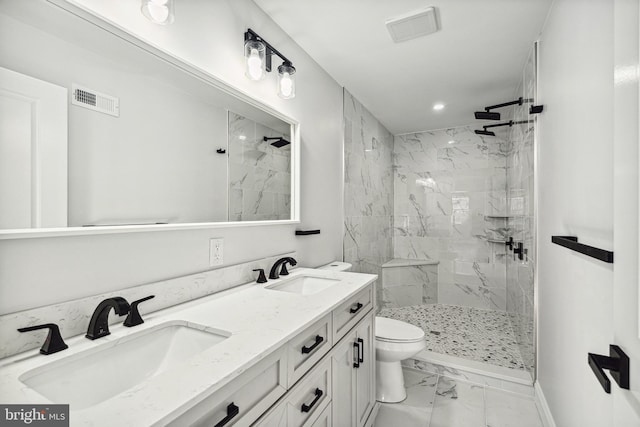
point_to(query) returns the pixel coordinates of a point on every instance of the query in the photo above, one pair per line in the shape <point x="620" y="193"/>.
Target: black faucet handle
<point x="283" y="270"/>
<point x="54" y="342"/>
<point x="134" y="318"/>
<point x="261" y="277"/>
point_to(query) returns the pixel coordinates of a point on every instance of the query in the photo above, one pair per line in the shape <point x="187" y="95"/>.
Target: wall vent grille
<point x="96" y="101"/>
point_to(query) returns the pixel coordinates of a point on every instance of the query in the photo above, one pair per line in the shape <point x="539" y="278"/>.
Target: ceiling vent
<point x="413" y="25"/>
<point x="96" y="101"/>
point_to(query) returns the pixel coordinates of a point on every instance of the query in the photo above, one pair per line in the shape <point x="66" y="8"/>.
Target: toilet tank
<point x="336" y="266"/>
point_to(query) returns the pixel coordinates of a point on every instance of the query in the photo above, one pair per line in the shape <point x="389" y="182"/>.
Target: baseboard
<point x="543" y="407"/>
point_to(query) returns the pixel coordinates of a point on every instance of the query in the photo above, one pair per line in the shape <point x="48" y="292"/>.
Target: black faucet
<point x="99" y="324"/>
<point x="273" y="274"/>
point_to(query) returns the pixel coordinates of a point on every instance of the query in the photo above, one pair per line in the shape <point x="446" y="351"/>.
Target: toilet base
<point x="389" y="382"/>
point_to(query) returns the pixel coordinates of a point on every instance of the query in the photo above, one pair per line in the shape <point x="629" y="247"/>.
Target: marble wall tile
<point x="446" y="183"/>
<point x="259" y="173"/>
<point x="409" y="285"/>
<point x="368" y="192"/>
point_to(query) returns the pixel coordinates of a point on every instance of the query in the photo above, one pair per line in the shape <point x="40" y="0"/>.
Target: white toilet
<point x="395" y="341"/>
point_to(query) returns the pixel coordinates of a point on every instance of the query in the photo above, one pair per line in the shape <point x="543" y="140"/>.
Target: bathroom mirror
<point x="103" y="133"/>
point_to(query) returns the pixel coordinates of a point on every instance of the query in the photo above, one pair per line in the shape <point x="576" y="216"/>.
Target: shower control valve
<point x="509" y="243"/>
<point x="518" y="250"/>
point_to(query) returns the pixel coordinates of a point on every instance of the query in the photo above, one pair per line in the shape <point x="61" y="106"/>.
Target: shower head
<point x="487" y="115"/>
<point x="510" y="123"/>
<point x="279" y="141"/>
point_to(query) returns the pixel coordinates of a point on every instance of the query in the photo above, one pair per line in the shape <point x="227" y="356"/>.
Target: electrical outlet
<point x="215" y="252"/>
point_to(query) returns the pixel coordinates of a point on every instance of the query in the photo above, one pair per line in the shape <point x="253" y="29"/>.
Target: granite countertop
<point x="260" y="321"/>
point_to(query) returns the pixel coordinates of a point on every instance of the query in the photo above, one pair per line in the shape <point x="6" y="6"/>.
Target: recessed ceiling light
<point x="438" y="106"/>
<point x="452" y="142"/>
<point x="242" y="137"/>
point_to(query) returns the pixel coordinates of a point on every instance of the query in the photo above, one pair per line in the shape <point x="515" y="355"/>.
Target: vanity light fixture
<point x="257" y="54"/>
<point x="158" y="11"/>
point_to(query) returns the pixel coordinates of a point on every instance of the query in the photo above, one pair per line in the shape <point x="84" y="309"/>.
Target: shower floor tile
<point x="472" y="333"/>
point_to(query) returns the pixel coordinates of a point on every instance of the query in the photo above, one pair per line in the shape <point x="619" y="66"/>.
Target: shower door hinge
<point x="617" y="363"/>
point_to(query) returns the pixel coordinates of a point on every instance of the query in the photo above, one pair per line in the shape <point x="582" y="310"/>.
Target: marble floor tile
<point x="439" y="401"/>
<point x="510" y="410"/>
<point x="396" y="415"/>
<point x="421" y="389"/>
<point x="475" y="334"/>
<point x="458" y="404"/>
<point x="415" y="410"/>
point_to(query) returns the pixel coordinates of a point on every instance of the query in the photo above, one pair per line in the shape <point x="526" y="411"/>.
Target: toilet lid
<point x="395" y="330"/>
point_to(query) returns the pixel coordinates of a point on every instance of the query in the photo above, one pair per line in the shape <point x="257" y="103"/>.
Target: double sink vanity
<point x="291" y="352"/>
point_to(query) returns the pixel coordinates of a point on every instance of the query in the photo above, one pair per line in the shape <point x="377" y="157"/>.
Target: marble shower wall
<point x="368" y="190"/>
<point x="520" y="189"/>
<point x="450" y="205"/>
<point x="259" y="173"/>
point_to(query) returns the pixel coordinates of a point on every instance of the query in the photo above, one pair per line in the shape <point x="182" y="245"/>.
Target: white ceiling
<point x="476" y="59"/>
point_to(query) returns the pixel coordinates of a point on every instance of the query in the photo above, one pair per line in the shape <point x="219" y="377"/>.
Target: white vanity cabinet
<point x="339" y="390"/>
<point x="353" y="371"/>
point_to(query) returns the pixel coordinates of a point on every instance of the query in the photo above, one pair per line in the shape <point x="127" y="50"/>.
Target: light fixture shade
<point x="254" y="55"/>
<point x="158" y="11"/>
<point x="286" y="81"/>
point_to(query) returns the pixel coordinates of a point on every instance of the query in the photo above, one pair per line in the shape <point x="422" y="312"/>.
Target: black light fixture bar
<point x="270" y="50"/>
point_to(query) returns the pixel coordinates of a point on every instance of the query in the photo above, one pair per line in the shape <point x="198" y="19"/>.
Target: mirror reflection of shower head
<point x="278" y="141"/>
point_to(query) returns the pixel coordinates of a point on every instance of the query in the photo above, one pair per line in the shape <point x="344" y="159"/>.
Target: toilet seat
<point x="395" y="331"/>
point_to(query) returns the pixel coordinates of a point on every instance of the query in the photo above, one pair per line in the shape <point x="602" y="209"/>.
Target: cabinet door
<point x="344" y="382"/>
<point x="365" y="373"/>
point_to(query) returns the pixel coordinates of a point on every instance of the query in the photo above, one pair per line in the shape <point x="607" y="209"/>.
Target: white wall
<point x="575" y="172"/>
<point x="35" y="272"/>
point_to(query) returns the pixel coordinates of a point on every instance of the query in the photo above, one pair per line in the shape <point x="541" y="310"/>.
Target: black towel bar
<point x="306" y="232"/>
<point x="571" y="242"/>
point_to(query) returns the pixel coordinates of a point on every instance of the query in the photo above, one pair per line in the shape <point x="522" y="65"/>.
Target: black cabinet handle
<point x="355" y="309"/>
<point x="361" y="350"/>
<point x="306" y="349"/>
<point x="307" y="408"/>
<point x="232" y="411"/>
<point x="356" y="354"/>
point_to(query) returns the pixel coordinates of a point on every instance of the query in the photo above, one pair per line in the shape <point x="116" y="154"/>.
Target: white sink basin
<point x="93" y="376"/>
<point x="304" y="285"/>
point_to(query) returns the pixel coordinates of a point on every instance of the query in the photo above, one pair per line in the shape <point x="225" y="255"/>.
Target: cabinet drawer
<point x="308" y="347"/>
<point x="252" y="393"/>
<point x="350" y="312"/>
<point x="310" y="397"/>
<point x="313" y="391"/>
<point x="324" y="420"/>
